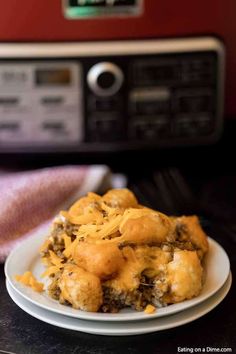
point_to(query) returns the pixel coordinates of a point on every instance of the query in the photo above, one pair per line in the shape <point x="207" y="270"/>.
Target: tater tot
<point x="102" y="260"/>
<point x="80" y="288"/>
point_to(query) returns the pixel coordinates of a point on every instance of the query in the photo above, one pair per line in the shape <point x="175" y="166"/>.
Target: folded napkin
<point x="30" y="199"/>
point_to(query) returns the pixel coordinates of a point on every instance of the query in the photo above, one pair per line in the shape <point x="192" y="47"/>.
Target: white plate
<point x="121" y="328"/>
<point x="25" y="257"/>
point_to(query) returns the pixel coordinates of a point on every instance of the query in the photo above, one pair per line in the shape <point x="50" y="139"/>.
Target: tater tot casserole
<point x="109" y="252"/>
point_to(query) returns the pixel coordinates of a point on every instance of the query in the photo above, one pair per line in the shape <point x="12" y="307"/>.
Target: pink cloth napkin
<point x="30" y="199"/>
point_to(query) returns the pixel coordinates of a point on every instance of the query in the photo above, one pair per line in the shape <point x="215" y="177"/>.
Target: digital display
<point x="52" y="77"/>
<point x="96" y="8"/>
<point x="84" y="3"/>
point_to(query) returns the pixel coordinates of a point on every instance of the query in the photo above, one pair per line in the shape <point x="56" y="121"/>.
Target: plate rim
<point x="194" y="313"/>
<point x="79" y="314"/>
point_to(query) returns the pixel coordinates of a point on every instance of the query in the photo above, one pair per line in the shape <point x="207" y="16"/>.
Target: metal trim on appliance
<point x="81" y="49"/>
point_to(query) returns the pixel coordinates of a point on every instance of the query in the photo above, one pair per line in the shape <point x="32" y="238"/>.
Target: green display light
<point x="99" y="8"/>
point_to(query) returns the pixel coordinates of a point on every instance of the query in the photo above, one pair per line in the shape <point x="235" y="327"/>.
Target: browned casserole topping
<point x="109" y="252"/>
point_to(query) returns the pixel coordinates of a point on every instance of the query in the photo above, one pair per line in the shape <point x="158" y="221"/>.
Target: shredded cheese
<point x="108" y="228"/>
<point x="70" y="249"/>
<point x="55" y="260"/>
<point x="44" y="246"/>
<point x="150" y="309"/>
<point x="50" y="271"/>
<point x="28" y="279"/>
<point x="67" y="240"/>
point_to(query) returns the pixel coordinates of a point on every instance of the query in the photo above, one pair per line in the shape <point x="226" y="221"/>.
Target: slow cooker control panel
<point x="116" y="95"/>
<point x="155" y="100"/>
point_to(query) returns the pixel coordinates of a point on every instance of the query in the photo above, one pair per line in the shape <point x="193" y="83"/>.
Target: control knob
<point x="105" y="79"/>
